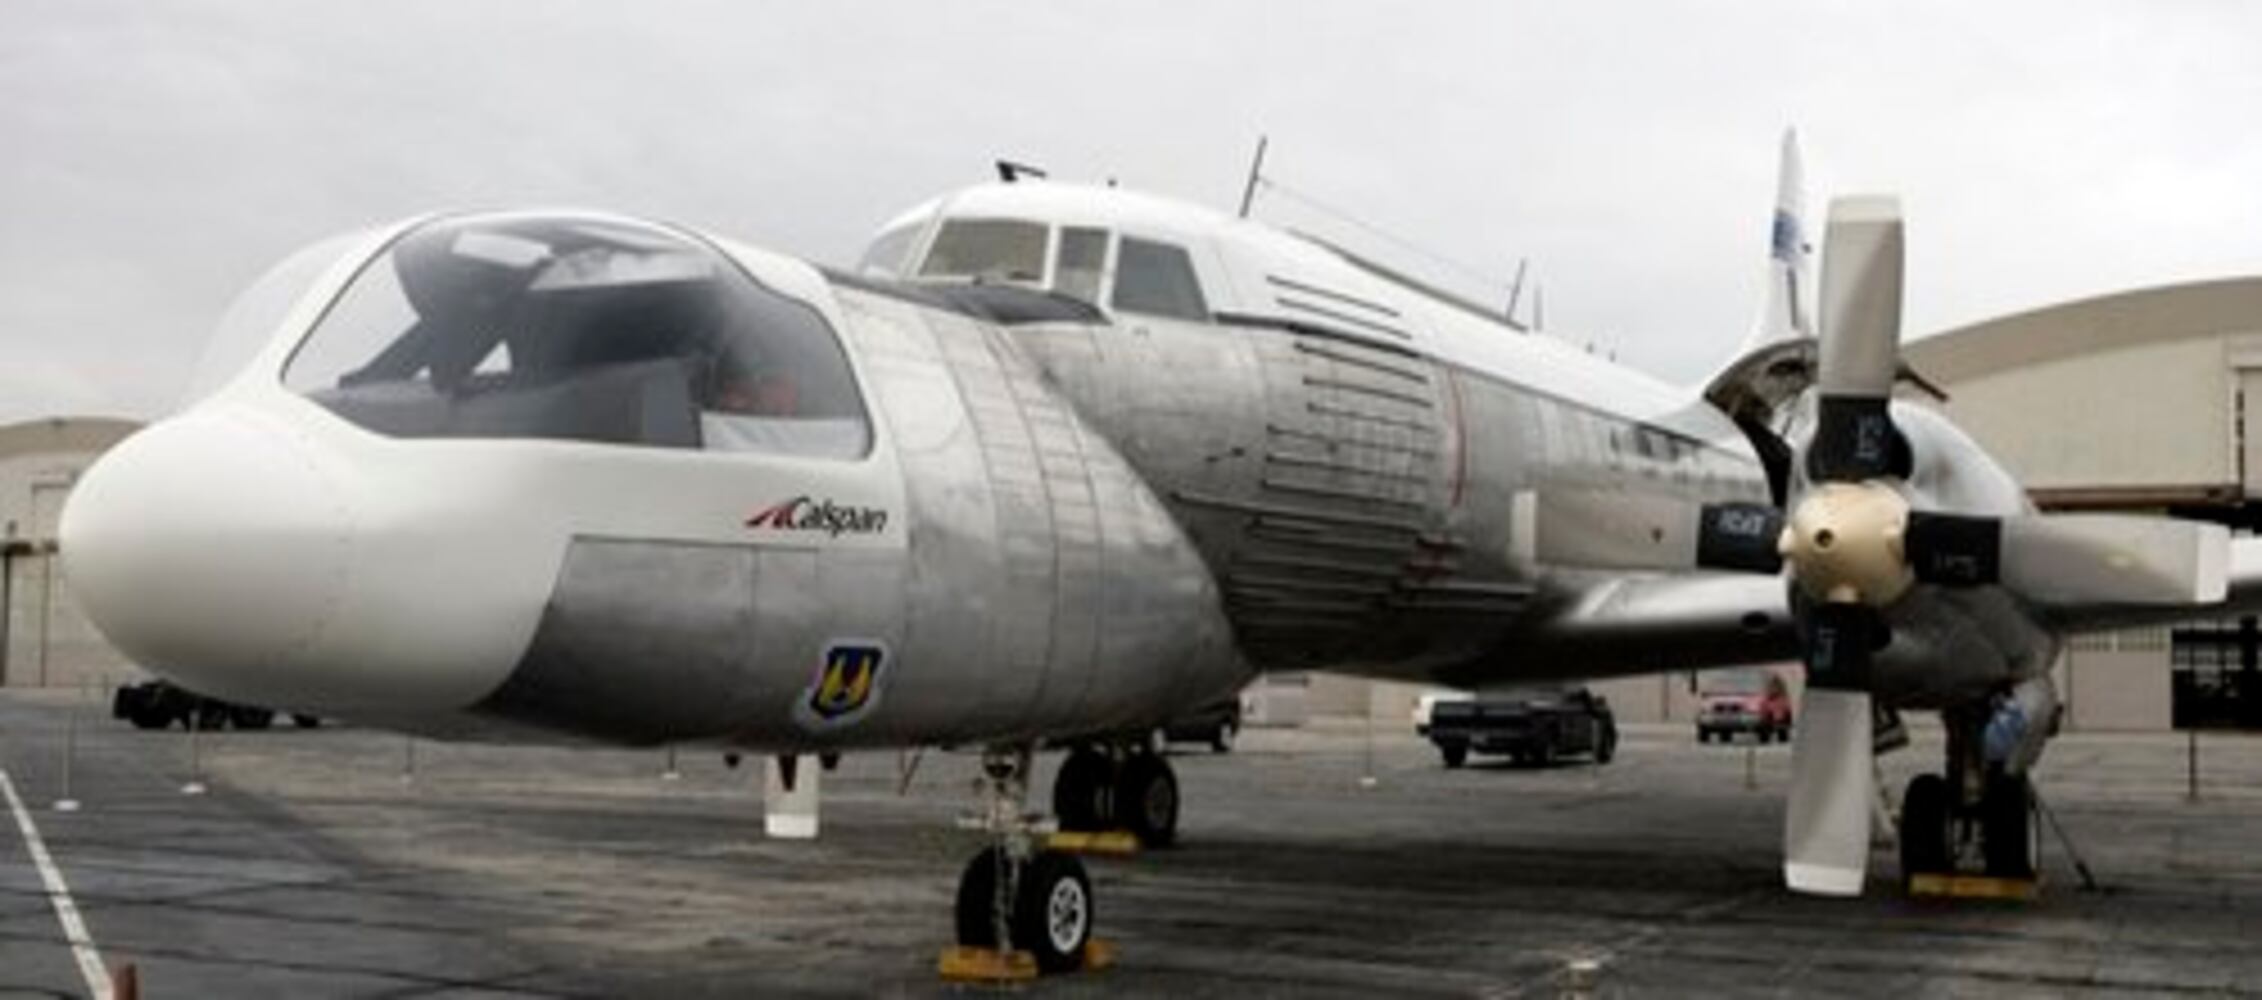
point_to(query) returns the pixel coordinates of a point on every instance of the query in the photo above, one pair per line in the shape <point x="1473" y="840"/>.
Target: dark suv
<point x="1530" y="725"/>
<point x="1216" y="724"/>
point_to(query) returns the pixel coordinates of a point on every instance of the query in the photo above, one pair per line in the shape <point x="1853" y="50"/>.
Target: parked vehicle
<point x="1530" y="725"/>
<point x="1743" y="701"/>
<point x="1428" y="703"/>
<point x="1216" y="724"/>
<point x="159" y="704"/>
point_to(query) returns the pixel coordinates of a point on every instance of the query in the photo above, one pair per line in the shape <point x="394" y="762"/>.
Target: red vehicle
<point x="1743" y="701"/>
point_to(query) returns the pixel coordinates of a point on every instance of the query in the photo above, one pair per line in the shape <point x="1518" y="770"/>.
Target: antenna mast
<point x="1516" y="290"/>
<point x="1256" y="174"/>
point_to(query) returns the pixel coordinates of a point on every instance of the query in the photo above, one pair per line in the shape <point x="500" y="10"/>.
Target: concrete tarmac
<point x="342" y="863"/>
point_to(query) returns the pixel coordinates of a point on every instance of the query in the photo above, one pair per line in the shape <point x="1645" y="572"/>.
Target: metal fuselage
<point x="1066" y="521"/>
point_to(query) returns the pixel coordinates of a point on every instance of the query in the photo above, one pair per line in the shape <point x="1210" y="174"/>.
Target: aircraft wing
<point x="1645" y="624"/>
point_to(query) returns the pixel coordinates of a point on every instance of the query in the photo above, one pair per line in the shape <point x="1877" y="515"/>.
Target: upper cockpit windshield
<point x="988" y="250"/>
<point x="582" y="328"/>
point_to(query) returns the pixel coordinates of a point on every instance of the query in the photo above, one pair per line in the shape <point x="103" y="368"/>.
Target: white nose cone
<point x="211" y="549"/>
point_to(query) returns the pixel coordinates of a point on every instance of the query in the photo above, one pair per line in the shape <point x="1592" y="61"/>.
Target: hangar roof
<point x="50" y="435"/>
<point x="2188" y="311"/>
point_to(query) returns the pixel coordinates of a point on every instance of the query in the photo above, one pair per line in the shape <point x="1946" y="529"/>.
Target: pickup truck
<point x="1529" y="725"/>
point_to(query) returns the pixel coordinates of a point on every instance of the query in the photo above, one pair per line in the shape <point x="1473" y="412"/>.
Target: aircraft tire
<point x="977" y="888"/>
<point x="2006" y="827"/>
<point x="1923" y="829"/>
<point x="1082" y="791"/>
<point x="1051" y="914"/>
<point x="1146" y="799"/>
<point x="1052" y="911"/>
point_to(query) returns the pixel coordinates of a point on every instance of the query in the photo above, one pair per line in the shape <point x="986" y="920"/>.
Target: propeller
<point x="1854" y="546"/>
<point x="1846" y="542"/>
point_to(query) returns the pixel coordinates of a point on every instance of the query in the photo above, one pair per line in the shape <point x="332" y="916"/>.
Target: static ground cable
<point x="2081" y="867"/>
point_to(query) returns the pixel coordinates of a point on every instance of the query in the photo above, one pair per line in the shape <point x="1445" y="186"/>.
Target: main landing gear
<point x="1976" y="816"/>
<point x="1014" y="897"/>
<point x="1125" y="786"/>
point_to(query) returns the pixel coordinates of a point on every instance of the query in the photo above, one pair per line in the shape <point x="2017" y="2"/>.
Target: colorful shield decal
<point x="847" y="683"/>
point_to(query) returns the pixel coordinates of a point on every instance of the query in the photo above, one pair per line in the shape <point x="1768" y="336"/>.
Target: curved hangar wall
<point x="44" y="641"/>
<point x="2133" y="401"/>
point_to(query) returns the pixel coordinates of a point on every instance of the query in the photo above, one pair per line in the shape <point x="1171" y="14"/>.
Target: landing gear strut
<point x="1121" y="787"/>
<point x="1977" y="815"/>
<point x="1013" y="895"/>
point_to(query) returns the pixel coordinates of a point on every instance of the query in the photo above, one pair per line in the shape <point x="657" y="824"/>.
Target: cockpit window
<point x="886" y="254"/>
<point x="1157" y="279"/>
<point x="1080" y="265"/>
<point x="990" y="250"/>
<point x="582" y="328"/>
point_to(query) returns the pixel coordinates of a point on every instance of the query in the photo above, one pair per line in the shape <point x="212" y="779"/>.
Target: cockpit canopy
<point x="578" y="327"/>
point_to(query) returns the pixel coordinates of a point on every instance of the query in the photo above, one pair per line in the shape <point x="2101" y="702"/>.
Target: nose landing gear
<point x="1975" y="818"/>
<point x="1019" y="910"/>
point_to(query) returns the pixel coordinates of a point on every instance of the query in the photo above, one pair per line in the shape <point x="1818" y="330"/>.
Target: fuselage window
<point x="581" y="328"/>
<point x="1080" y="265"/>
<point x="886" y="254"/>
<point x="988" y="250"/>
<point x="1157" y="279"/>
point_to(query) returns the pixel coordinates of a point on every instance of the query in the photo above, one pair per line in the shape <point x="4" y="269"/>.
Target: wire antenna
<point x="1516" y="290"/>
<point x="1256" y="176"/>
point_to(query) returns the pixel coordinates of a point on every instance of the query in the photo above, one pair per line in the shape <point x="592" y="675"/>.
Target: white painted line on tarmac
<point x="59" y="893"/>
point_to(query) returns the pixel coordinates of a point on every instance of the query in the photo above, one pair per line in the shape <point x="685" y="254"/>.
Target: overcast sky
<point x="154" y="158"/>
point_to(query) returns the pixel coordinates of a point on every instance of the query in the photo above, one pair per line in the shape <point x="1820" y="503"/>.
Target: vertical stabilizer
<point x="1787" y="307"/>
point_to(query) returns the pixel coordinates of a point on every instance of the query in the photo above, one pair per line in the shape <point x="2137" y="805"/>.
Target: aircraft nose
<point x="211" y="548"/>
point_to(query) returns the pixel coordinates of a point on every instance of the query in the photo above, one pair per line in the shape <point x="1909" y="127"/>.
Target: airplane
<point x="1054" y="462"/>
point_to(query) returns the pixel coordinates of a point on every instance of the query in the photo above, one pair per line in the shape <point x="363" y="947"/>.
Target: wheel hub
<point x="1066" y="912"/>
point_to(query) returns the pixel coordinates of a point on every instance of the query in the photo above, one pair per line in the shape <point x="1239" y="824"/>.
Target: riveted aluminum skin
<point x="1036" y="585"/>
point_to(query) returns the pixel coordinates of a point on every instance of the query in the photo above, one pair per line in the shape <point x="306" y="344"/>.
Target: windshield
<point x="988" y="250"/>
<point x="583" y="328"/>
<point x="1736" y="682"/>
<point x="885" y="255"/>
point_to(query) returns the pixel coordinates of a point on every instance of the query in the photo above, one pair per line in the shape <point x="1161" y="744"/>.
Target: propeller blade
<point x="1826" y="821"/>
<point x="1861" y="342"/>
<point x="1604" y="529"/>
<point x="1954" y="550"/>
<point x="2115" y="559"/>
<point x="1826" y="827"/>
<point x="1861" y="298"/>
<point x="1740" y="536"/>
<point x="2074" y="558"/>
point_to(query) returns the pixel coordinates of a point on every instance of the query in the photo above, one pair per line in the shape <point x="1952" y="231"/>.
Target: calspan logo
<point x="803" y="513"/>
<point x="846" y="685"/>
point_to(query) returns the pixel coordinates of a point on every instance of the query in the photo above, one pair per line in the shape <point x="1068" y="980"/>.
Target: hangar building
<point x="44" y="640"/>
